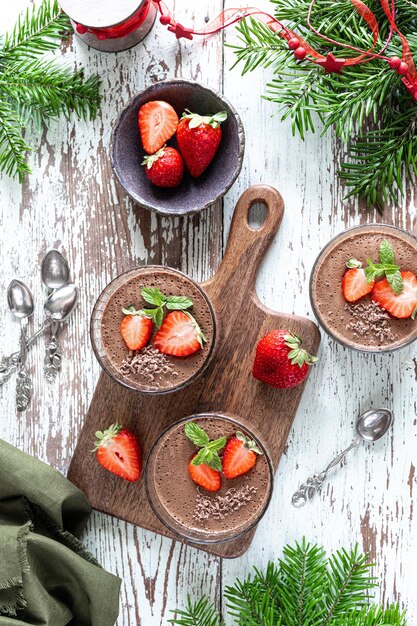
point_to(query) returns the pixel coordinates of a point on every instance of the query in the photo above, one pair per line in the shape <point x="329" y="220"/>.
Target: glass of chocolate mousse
<point x="354" y="288"/>
<point x="153" y="330"/>
<point x="207" y="514"/>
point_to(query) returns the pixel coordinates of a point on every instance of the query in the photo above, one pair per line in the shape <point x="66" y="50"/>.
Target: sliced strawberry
<point x="205" y="476"/>
<point x="355" y="285"/>
<point x="239" y="456"/>
<point x="119" y="452"/>
<point x="136" y="329"/>
<point x="157" y="123"/>
<point x="402" y="304"/>
<point x="179" y="335"/>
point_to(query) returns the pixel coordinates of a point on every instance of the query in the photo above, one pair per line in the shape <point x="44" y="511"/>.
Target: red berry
<point x="205" y="476"/>
<point x="400" y="305"/>
<point x="165" y="168"/>
<point x="280" y="361"/>
<point x="157" y="121"/>
<point x="179" y="335"/>
<point x="355" y="285"/>
<point x="135" y="330"/>
<point x="165" y="20"/>
<point x="403" y="68"/>
<point x="394" y="63"/>
<point x="119" y="452"/>
<point x="198" y="139"/>
<point x="239" y="456"/>
<point x="300" y="53"/>
<point x="293" y="43"/>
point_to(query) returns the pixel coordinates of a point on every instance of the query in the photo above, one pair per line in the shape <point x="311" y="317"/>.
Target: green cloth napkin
<point x="47" y="577"/>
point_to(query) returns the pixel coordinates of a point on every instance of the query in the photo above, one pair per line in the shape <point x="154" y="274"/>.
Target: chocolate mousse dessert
<point x="153" y="329"/>
<point x="363" y="288"/>
<point x="208" y="478"/>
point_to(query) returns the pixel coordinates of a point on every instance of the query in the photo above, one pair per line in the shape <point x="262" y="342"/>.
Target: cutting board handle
<point x="247" y="246"/>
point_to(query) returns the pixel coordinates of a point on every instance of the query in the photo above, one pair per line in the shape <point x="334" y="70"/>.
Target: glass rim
<point x="239" y="422"/>
<point x="126" y="384"/>
<point x="316" y="313"/>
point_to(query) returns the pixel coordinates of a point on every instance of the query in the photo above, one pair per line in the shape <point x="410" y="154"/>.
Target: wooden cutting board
<point x="226" y="386"/>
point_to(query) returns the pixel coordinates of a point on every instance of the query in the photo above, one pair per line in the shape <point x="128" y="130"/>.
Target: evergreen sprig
<point x="367" y="105"/>
<point x="305" y="588"/>
<point x="35" y="89"/>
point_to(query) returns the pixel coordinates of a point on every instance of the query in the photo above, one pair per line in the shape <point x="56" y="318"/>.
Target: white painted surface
<point x="72" y="201"/>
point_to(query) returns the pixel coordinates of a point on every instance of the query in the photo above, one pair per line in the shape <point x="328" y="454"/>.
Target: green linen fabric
<point x="47" y="577"/>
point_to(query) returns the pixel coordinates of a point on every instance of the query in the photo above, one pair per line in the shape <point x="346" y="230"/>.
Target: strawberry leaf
<point x="353" y="264"/>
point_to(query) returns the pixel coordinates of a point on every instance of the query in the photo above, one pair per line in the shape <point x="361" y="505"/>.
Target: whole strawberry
<point x="280" y="361"/>
<point x="165" y="168"/>
<point x="198" y="139"/>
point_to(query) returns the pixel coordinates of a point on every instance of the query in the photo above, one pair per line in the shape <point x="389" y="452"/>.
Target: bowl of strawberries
<point x="177" y="147"/>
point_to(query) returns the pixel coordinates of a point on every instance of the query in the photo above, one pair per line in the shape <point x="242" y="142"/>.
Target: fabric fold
<point x="47" y="576"/>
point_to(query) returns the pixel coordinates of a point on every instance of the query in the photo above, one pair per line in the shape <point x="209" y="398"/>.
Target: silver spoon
<point x="370" y="426"/>
<point x="21" y="305"/>
<point x="58" y="306"/>
<point x="55" y="270"/>
<point x="55" y="275"/>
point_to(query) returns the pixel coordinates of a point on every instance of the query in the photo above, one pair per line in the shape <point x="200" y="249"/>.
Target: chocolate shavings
<point x="219" y="507"/>
<point x="370" y="318"/>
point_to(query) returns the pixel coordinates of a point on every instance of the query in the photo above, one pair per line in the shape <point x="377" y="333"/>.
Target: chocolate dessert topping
<point x="148" y="363"/>
<point x="370" y="318"/>
<point x="219" y="507"/>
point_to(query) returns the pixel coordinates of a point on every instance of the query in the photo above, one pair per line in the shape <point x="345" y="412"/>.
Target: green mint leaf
<point x="206" y="457"/>
<point x="386" y="253"/>
<point x="370" y="274"/>
<point x="152" y="296"/>
<point x="215" y="463"/>
<point x="197" y="435"/>
<point x="178" y="303"/>
<point x="391" y="268"/>
<point x="395" y="281"/>
<point x="158" y="316"/>
<point x="217" y="444"/>
<point x="353" y="264"/>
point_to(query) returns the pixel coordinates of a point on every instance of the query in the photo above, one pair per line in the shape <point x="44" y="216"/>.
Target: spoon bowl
<point x="373" y="424"/>
<point x="55" y="270"/>
<point x="61" y="302"/>
<point x="20" y="300"/>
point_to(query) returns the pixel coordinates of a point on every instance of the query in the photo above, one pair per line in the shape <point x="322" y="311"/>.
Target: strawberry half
<point x="119" y="452"/>
<point x="198" y="139"/>
<point x="157" y="123"/>
<point x="179" y="335"/>
<point x="280" y="361"/>
<point x="135" y="329"/>
<point x="400" y="305"/>
<point x="205" y="476"/>
<point x="355" y="285"/>
<point x="165" y="168"/>
<point x="239" y="455"/>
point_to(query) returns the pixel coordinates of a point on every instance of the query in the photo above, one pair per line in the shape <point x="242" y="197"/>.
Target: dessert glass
<point x="107" y="311"/>
<point x="342" y="241"/>
<point x="227" y="530"/>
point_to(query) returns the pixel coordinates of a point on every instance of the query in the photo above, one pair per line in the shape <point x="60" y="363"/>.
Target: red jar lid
<point x="100" y="13"/>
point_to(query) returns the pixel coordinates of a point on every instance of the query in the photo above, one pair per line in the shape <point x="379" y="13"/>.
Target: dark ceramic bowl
<point x="194" y="194"/>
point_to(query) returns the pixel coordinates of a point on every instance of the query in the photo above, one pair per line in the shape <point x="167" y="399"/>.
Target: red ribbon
<point x="120" y="30"/>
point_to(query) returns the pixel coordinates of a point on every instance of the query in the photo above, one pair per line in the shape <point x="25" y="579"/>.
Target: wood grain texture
<point x="72" y="201"/>
<point x="226" y="385"/>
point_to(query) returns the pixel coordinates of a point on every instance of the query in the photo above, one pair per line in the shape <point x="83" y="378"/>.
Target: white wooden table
<point x="71" y="201"/>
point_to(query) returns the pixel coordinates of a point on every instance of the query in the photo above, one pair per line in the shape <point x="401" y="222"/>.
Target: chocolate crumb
<point x="147" y="363"/>
<point x="370" y="318"/>
<point x="219" y="507"/>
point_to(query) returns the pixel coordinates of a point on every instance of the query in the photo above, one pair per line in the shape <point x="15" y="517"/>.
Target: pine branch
<point x="53" y="89"/>
<point x="13" y="148"/>
<point x="38" y="30"/>
<point x="254" y="602"/>
<point x="199" y="613"/>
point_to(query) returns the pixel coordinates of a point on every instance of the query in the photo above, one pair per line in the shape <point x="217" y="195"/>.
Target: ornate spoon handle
<point x="314" y="483"/>
<point x="23" y="382"/>
<point x="53" y="355"/>
<point x="9" y="363"/>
